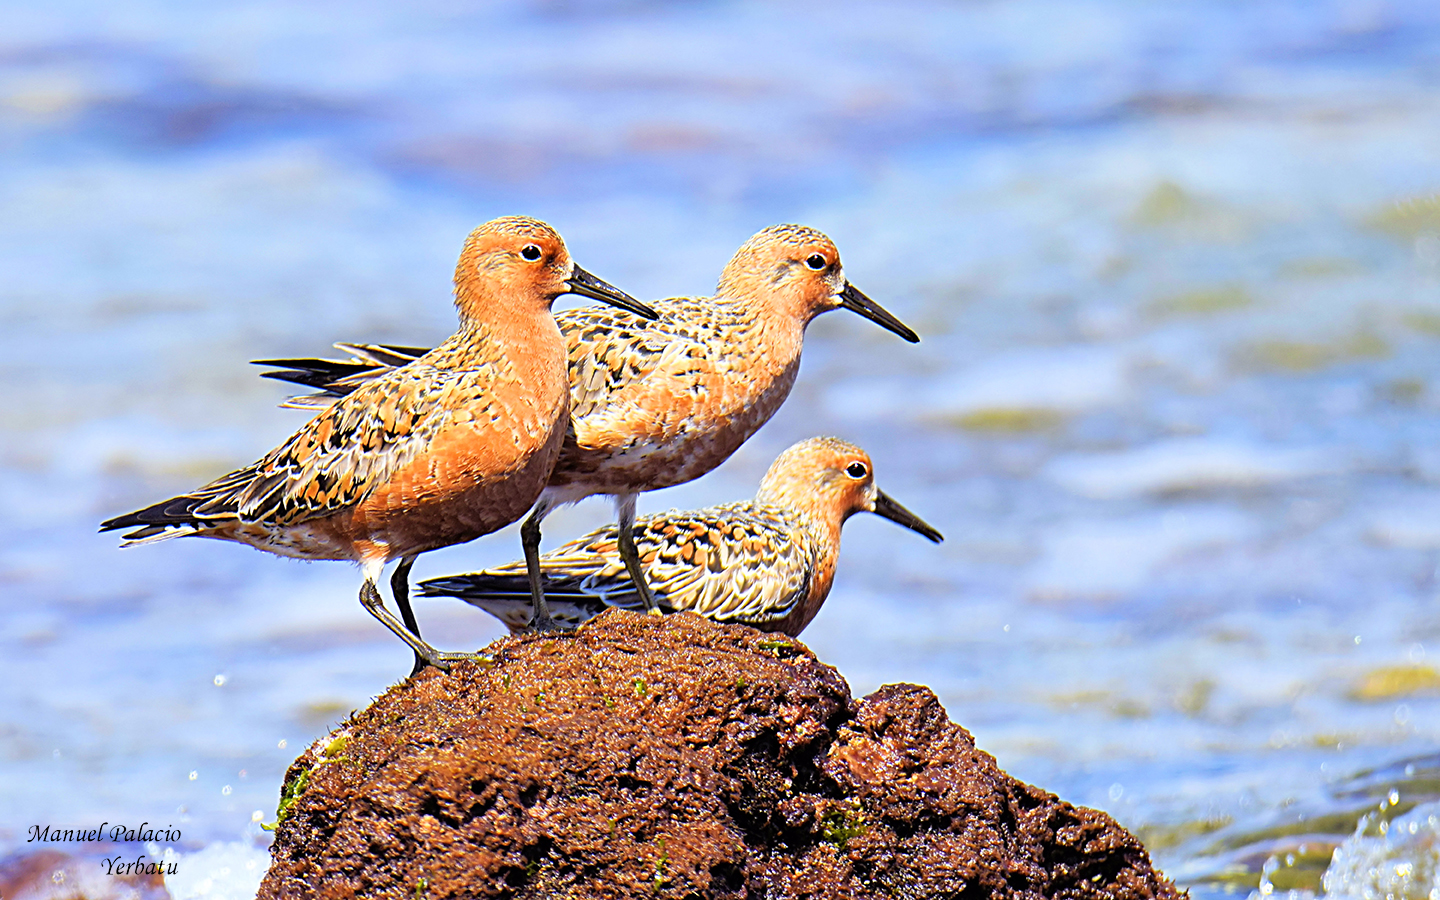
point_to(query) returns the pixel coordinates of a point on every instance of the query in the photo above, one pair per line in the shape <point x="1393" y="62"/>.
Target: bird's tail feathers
<point x="152" y="534"/>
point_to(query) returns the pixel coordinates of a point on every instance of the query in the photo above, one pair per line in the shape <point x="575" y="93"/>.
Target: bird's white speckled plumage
<point x="767" y="562"/>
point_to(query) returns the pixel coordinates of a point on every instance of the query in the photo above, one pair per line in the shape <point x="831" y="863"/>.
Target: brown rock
<point x="676" y="757"/>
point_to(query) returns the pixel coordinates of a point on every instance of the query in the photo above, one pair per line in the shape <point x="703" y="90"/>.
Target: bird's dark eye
<point x="531" y="252"/>
<point x="856" y="470"/>
<point x="816" y="262"/>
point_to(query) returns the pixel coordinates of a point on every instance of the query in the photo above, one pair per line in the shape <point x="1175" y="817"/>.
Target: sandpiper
<point x="767" y="562"/>
<point x="451" y="446"/>
<point x="656" y="404"/>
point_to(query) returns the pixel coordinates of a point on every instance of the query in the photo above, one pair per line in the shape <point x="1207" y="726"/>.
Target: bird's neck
<point x="525" y="338"/>
<point x="772" y="325"/>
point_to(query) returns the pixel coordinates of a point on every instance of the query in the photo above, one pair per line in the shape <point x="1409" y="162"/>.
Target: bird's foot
<point x="443" y="660"/>
<point x="547" y="625"/>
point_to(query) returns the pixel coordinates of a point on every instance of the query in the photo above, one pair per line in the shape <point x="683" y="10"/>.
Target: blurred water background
<point x="1176" y="266"/>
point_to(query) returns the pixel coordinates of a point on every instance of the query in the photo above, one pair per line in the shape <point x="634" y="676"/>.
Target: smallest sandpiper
<point x="767" y="562"/>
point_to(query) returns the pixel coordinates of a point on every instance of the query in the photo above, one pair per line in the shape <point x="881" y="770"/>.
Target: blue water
<point x="1176" y="266"/>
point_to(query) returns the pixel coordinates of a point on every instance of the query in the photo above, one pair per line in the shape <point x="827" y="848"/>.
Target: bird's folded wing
<point x="725" y="563"/>
<point x="610" y="349"/>
<point x="350" y="448"/>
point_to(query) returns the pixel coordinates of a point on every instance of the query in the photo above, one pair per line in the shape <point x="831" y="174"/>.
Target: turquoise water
<point x="1177" y="272"/>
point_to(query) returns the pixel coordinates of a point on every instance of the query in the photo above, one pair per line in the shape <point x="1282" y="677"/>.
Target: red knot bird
<point x="658" y="403"/>
<point x="454" y="445"/>
<point x="767" y="562"/>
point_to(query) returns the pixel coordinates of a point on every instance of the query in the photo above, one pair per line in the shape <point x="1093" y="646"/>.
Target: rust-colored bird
<point x="767" y="562"/>
<point x="656" y="404"/>
<point x="454" y="445"/>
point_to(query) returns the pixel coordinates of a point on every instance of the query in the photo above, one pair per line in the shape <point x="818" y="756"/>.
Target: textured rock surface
<point x="676" y="758"/>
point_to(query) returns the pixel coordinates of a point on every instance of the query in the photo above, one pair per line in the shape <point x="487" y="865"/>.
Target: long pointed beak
<point x="893" y="511"/>
<point x="586" y="285"/>
<point x="853" y="300"/>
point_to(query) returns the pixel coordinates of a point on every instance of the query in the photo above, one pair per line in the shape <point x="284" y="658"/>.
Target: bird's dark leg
<point x="625" y="512"/>
<point x="400" y="588"/>
<point x="540" y="618"/>
<point x="375" y="605"/>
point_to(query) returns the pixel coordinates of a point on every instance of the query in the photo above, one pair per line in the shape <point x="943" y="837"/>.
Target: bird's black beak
<point x="893" y="511"/>
<point x="853" y="300"/>
<point x="586" y="285"/>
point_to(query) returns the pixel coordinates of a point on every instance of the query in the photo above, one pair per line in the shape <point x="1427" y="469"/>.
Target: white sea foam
<point x="1400" y="863"/>
<point x="221" y="871"/>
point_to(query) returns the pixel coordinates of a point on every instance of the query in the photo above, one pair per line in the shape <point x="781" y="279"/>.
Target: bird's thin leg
<point x="540" y="618"/>
<point x="375" y="605"/>
<point x="400" y="587"/>
<point x="625" y="511"/>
